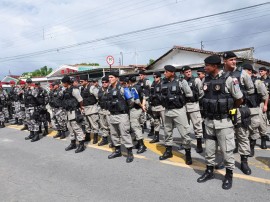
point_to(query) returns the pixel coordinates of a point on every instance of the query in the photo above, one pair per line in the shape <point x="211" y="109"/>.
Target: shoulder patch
<point x="235" y="81"/>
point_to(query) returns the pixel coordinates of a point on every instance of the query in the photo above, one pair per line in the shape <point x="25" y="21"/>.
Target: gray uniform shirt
<point x="92" y="109"/>
<point x="194" y="106"/>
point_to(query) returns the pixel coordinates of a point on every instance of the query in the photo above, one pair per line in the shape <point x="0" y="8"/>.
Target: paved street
<point x="43" y="171"/>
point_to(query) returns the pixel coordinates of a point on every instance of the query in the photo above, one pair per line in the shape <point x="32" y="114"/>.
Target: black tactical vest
<point x="250" y="100"/>
<point x="41" y="97"/>
<point x="195" y="90"/>
<point x="88" y="98"/>
<point x="216" y="102"/>
<point x="13" y="95"/>
<point x="29" y="99"/>
<point x="172" y="95"/>
<point x="70" y="103"/>
<point x="145" y="88"/>
<point x="56" y="99"/>
<point x="266" y="83"/>
<point x="155" y="94"/>
<point x="103" y="98"/>
<point x="116" y="102"/>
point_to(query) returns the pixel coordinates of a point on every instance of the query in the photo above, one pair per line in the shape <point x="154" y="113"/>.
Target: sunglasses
<point x="105" y="82"/>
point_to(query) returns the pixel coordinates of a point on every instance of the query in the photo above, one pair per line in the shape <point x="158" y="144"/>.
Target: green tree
<point x="151" y="61"/>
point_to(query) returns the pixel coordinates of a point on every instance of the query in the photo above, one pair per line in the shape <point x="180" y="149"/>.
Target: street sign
<point x="110" y="60"/>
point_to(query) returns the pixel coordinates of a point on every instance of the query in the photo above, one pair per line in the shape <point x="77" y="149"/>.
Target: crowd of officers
<point x="228" y="109"/>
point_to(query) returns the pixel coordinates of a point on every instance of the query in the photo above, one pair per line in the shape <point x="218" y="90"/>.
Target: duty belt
<point x="216" y="116"/>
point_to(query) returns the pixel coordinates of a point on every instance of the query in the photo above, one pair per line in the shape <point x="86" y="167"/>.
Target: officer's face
<point x="230" y="64"/>
<point x="263" y="73"/>
<point x="65" y="85"/>
<point x="22" y="85"/>
<point x="112" y="80"/>
<point x="201" y="75"/>
<point x="188" y="73"/>
<point x="105" y="84"/>
<point x="156" y="79"/>
<point x="249" y="72"/>
<point x="210" y="68"/>
<point x="83" y="82"/>
<point x="141" y="76"/>
<point x="168" y="74"/>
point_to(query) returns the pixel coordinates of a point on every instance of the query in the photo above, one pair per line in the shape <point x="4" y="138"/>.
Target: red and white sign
<point x="110" y="60"/>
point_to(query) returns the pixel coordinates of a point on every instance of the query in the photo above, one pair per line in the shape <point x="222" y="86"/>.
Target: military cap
<point x="157" y="74"/>
<point x="169" y="68"/>
<point x="105" y="78"/>
<point x="228" y="55"/>
<point x="185" y="68"/>
<point x="28" y="80"/>
<point x="248" y="67"/>
<point x="123" y="79"/>
<point x="115" y="74"/>
<point x="132" y="78"/>
<point x="263" y="68"/>
<point x="142" y="72"/>
<point x="12" y="82"/>
<point x="201" y="70"/>
<point x="22" y="82"/>
<point x="213" y="60"/>
<point x="37" y="83"/>
<point x="84" y="77"/>
<point x="66" y="79"/>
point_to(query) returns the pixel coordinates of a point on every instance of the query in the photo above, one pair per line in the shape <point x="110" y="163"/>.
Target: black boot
<point x="25" y="127"/>
<point x="142" y="147"/>
<point x="87" y="137"/>
<point x="95" y="140"/>
<point x="156" y="138"/>
<point x="199" y="148"/>
<point x="63" y="135"/>
<point x="167" y="153"/>
<point x="46" y="131"/>
<point x="151" y="132"/>
<point x="40" y="130"/>
<point x="71" y="146"/>
<point x="2" y="124"/>
<point x="244" y="165"/>
<point x="227" y="182"/>
<point x="116" y="153"/>
<point x="130" y="156"/>
<point x="104" y="141"/>
<point x="263" y="142"/>
<point x="58" y="134"/>
<point x="236" y="147"/>
<point x="6" y="120"/>
<point x="36" y="137"/>
<point x="30" y="136"/>
<point x="20" y="122"/>
<point x="145" y="125"/>
<point x="188" y="157"/>
<point x="252" y="146"/>
<point x="207" y="175"/>
<point x="80" y="147"/>
<point x="16" y="121"/>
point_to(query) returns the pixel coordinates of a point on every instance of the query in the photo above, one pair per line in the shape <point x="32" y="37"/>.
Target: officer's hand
<point x="144" y="108"/>
<point x="82" y="110"/>
<point x="264" y="109"/>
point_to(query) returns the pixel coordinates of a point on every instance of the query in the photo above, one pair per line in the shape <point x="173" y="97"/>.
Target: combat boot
<point x="103" y="141"/>
<point x="87" y="137"/>
<point x="244" y="165"/>
<point x="151" y="132"/>
<point x="36" y="136"/>
<point x="130" y="156"/>
<point x="227" y="182"/>
<point x="263" y="142"/>
<point x="40" y="130"/>
<point x="167" y="153"/>
<point x="156" y="138"/>
<point x="6" y="120"/>
<point x="16" y="121"/>
<point x="117" y="153"/>
<point x="207" y="175"/>
<point x="95" y="140"/>
<point x="63" y="135"/>
<point x="20" y="122"/>
<point x="188" y="157"/>
<point x="71" y="146"/>
<point x="199" y="148"/>
<point x="46" y="131"/>
<point x="80" y="147"/>
<point x="25" y="127"/>
<point x="142" y="147"/>
<point x="236" y="147"/>
<point x="145" y="125"/>
<point x="2" y="124"/>
<point x="252" y="146"/>
<point x="30" y="136"/>
<point x="58" y="134"/>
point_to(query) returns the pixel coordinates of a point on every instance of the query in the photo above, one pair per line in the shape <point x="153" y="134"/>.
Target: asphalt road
<point x="43" y="171"/>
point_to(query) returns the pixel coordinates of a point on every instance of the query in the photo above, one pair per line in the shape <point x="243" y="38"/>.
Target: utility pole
<point x="202" y="46"/>
<point x="122" y="58"/>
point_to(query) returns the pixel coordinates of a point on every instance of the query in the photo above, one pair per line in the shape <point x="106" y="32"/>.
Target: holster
<point x="245" y="116"/>
<point x="78" y="116"/>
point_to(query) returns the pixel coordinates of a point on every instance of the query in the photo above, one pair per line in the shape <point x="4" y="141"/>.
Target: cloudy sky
<point x="34" y="32"/>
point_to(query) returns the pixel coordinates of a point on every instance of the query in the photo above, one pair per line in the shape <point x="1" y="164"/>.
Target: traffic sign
<point x="110" y="60"/>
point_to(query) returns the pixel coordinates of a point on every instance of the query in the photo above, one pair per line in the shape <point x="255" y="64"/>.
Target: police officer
<point x="119" y="101"/>
<point x="90" y="103"/>
<point x="201" y="74"/>
<point x="59" y="114"/>
<point x="3" y="106"/>
<point x="156" y="105"/>
<point x="136" y="111"/>
<point x="257" y="126"/>
<point x="14" y="98"/>
<point x="221" y="94"/>
<point x="192" y="105"/>
<point x="22" y="105"/>
<point x="31" y="111"/>
<point x="73" y="103"/>
<point x="243" y="113"/>
<point x="104" y="114"/>
<point x="174" y="92"/>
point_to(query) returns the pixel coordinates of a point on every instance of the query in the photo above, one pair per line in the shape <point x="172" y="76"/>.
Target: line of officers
<point x="227" y="108"/>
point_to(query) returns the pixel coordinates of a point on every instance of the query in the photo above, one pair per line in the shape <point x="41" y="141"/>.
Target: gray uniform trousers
<point x="17" y="109"/>
<point x="2" y="116"/>
<point x="5" y="111"/>
<point x="91" y="119"/>
<point x="120" y="130"/>
<point x="177" y="118"/>
<point x="59" y="117"/>
<point x="74" y="128"/>
<point x="194" y="114"/>
<point x="135" y="122"/>
<point x="104" y="118"/>
<point x="158" y="114"/>
<point x="22" y="113"/>
<point x="32" y="123"/>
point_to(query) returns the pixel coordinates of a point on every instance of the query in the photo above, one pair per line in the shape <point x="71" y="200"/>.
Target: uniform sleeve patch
<point x="235" y="81"/>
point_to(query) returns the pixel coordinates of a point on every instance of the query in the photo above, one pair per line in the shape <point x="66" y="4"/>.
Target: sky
<point x="31" y="26"/>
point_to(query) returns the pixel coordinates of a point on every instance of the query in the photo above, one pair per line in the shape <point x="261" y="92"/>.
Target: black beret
<point x="105" y="78"/>
<point x="28" y="80"/>
<point x="37" y="83"/>
<point x="263" y="68"/>
<point x="185" y="68"/>
<point x="123" y="79"/>
<point x="248" y="67"/>
<point x="201" y="70"/>
<point x="132" y="78"/>
<point x="254" y="71"/>
<point x="157" y="74"/>
<point x="84" y="77"/>
<point x="228" y="55"/>
<point x="213" y="60"/>
<point x="115" y="74"/>
<point x="142" y="72"/>
<point x="55" y="83"/>
<point x="90" y="80"/>
<point x="169" y="68"/>
<point x="66" y="79"/>
<point x="95" y="80"/>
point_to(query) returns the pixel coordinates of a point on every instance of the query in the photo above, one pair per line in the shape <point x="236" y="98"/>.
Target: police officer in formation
<point x="15" y="102"/>
<point x="3" y="107"/>
<point x="22" y="116"/>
